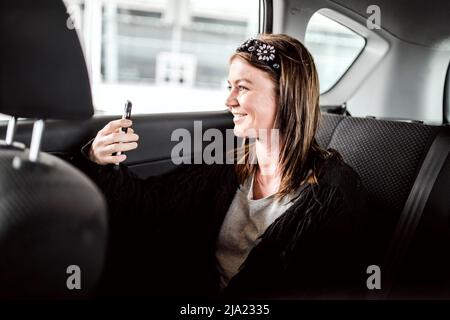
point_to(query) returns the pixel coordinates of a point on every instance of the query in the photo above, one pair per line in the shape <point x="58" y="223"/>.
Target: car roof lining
<point x="413" y="21"/>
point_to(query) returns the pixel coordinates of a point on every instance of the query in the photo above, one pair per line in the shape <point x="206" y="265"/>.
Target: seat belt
<point x="414" y="207"/>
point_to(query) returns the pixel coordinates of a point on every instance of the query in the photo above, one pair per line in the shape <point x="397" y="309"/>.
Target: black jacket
<point x="163" y="233"/>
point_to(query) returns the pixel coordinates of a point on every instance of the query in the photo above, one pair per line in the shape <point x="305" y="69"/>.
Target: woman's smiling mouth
<point x="238" y="117"/>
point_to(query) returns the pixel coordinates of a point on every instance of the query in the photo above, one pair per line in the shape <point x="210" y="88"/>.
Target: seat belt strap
<point x="414" y="207"/>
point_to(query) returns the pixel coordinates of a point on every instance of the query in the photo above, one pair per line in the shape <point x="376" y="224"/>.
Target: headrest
<point x="51" y="217"/>
<point x="43" y="71"/>
<point x="386" y="155"/>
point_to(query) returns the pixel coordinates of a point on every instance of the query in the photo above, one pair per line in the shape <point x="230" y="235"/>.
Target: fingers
<point x="119" y="147"/>
<point x="130" y="130"/>
<point x="112" y="126"/>
<point x="112" y="139"/>
<point x="114" y="159"/>
<point x="117" y="137"/>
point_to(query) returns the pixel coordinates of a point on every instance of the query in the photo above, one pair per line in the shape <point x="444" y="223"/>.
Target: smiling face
<point x="251" y="99"/>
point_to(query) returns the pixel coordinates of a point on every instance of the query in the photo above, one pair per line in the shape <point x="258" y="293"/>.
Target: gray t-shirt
<point x="245" y="221"/>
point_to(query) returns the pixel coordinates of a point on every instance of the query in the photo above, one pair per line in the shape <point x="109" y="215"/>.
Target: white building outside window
<point x="163" y="55"/>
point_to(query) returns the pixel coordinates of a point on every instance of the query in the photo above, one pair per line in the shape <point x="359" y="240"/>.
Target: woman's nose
<point x="231" y="100"/>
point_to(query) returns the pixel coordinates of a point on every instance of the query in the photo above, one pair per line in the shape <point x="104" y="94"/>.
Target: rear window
<point x="334" y="48"/>
<point x="163" y="55"/>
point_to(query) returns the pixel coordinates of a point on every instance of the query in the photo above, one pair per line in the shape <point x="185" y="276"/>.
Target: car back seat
<point x="388" y="155"/>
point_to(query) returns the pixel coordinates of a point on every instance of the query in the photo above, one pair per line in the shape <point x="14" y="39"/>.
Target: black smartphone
<point x="126" y="115"/>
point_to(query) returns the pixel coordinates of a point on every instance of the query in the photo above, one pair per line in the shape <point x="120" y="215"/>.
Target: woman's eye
<point x="240" y="88"/>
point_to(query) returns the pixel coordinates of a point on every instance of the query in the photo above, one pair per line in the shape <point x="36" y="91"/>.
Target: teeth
<point x="238" y="115"/>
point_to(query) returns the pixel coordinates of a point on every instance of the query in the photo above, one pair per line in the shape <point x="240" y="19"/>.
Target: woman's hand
<point x="112" y="139"/>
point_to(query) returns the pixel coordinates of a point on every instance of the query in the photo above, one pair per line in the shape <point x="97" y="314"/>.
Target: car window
<point x="334" y="48"/>
<point x="163" y="55"/>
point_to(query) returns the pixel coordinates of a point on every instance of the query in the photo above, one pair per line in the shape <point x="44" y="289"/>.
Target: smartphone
<point x="126" y="115"/>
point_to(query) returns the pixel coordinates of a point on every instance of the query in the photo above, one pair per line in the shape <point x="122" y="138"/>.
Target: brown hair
<point x="297" y="115"/>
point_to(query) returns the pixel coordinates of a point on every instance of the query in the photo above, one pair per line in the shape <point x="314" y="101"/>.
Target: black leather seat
<point x="52" y="217"/>
<point x="388" y="156"/>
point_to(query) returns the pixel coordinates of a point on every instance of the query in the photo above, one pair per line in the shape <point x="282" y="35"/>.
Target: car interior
<point x="388" y="115"/>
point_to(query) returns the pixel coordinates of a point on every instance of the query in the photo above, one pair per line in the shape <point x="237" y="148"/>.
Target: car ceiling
<point x="419" y="22"/>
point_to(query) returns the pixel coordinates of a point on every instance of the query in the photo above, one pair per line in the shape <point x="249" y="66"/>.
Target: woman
<point x="286" y="225"/>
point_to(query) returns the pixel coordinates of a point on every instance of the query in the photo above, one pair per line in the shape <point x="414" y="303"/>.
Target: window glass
<point x="334" y="48"/>
<point x="163" y="55"/>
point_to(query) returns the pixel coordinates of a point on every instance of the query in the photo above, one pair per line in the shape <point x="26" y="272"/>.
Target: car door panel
<point x="153" y="156"/>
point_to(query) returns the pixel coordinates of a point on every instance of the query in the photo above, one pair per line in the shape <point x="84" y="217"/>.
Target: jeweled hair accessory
<point x="263" y="52"/>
